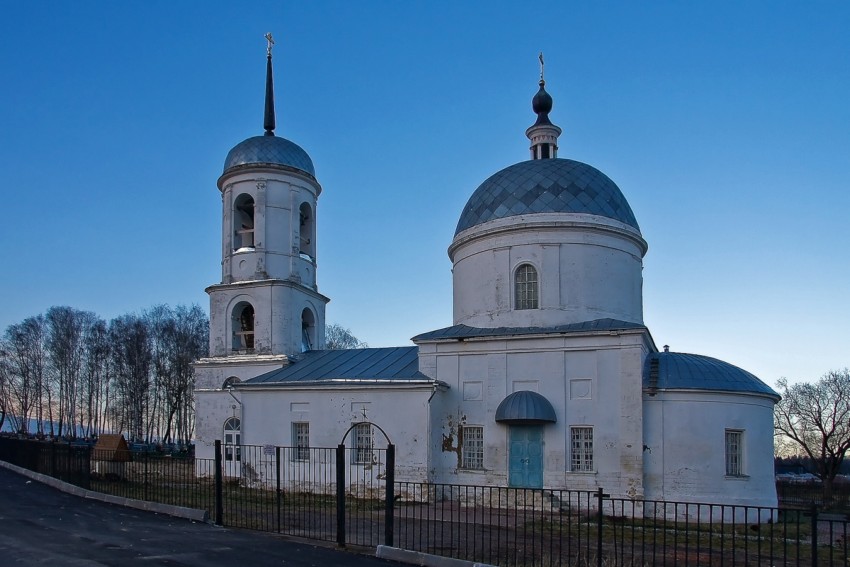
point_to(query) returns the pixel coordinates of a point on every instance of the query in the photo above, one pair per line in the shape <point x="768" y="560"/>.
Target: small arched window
<point x="308" y="330"/>
<point x="306" y="232"/>
<point x="525" y="287"/>
<point x="243" y="327"/>
<point x="243" y="222"/>
<point x="232" y="439"/>
<point x="230" y="382"/>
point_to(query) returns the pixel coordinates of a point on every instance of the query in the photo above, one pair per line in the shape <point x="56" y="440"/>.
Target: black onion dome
<point x="542" y="105"/>
<point x="269" y="150"/>
<point x="546" y="186"/>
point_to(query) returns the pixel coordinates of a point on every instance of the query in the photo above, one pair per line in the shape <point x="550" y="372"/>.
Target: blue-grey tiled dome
<point x="269" y="150"/>
<point x="546" y="186"/>
<point x="679" y="370"/>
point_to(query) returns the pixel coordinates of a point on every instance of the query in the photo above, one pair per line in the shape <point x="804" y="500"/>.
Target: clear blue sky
<point x="726" y="125"/>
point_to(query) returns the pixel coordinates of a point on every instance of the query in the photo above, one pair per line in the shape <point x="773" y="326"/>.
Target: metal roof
<point x="465" y="332"/>
<point x="679" y="370"/>
<point x="269" y="150"/>
<point x="393" y="363"/>
<point x="546" y="186"/>
<point x="525" y="406"/>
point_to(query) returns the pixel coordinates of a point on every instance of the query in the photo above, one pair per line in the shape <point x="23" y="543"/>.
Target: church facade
<point x="547" y="377"/>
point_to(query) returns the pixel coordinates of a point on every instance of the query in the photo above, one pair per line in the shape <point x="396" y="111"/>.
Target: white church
<point x="547" y="376"/>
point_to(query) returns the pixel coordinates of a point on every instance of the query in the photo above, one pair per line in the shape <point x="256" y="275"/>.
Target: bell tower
<point x="267" y="307"/>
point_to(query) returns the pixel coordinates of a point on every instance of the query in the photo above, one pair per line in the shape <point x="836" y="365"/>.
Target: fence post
<point x="600" y="495"/>
<point x="277" y="477"/>
<point x="814" y="535"/>
<point x="340" y="495"/>
<point x="146" y="457"/>
<point x="52" y="459"/>
<point x="219" y="505"/>
<point x="389" y="511"/>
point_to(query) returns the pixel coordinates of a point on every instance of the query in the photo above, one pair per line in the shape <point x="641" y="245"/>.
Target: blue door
<point x="525" y="456"/>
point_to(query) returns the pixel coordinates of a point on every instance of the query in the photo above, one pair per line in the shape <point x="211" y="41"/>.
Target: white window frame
<point x="734" y="451"/>
<point x="581" y="449"/>
<point x="300" y="440"/>
<point x="472" y="447"/>
<point x="526" y="289"/>
<point x="363" y="442"/>
<point x="233" y="439"/>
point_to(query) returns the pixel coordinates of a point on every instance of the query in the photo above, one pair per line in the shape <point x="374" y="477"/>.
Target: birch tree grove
<point x="69" y="373"/>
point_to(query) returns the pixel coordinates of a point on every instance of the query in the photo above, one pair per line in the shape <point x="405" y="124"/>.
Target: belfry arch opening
<point x="306" y="234"/>
<point x="243" y="327"/>
<point x="308" y="330"/>
<point x="243" y="222"/>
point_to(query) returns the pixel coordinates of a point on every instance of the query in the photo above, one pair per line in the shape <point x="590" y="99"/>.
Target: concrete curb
<point x="425" y="559"/>
<point x="167" y="509"/>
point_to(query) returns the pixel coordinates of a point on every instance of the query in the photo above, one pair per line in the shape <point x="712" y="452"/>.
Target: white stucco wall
<point x="402" y="411"/>
<point x="685" y="435"/>
<point x="591" y="380"/>
<point x="213" y="404"/>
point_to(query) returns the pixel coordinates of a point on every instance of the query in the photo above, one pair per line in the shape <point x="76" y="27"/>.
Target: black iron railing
<point x="351" y="497"/>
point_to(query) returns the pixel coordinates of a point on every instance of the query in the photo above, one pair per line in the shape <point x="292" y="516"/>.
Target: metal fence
<point x="350" y="497"/>
<point x="530" y="527"/>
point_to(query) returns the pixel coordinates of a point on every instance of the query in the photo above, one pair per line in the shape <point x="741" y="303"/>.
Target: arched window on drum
<point x="526" y="294"/>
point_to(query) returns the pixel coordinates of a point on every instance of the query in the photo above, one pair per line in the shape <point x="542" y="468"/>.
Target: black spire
<point x="543" y="134"/>
<point x="268" y="120"/>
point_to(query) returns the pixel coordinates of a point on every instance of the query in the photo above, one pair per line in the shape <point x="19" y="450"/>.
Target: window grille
<point x="581" y="455"/>
<point x="734" y="453"/>
<point x="363" y="443"/>
<point x="525" y="281"/>
<point x="472" y="448"/>
<point x="301" y="441"/>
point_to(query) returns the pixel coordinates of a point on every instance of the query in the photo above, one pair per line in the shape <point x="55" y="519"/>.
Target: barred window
<point x="734" y="453"/>
<point x="472" y="447"/>
<point x="363" y="443"/>
<point x="525" y="285"/>
<point x="301" y="441"/>
<point x="581" y="455"/>
<point x="232" y="440"/>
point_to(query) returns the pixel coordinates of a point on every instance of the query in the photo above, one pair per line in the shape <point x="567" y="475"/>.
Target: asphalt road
<point x="40" y="525"/>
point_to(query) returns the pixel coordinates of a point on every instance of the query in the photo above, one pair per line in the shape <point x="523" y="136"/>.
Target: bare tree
<point x="180" y="336"/>
<point x="66" y="330"/>
<point x="338" y="337"/>
<point x="25" y="363"/>
<point x="816" y="417"/>
<point x="131" y="362"/>
<point x="5" y="393"/>
<point x="95" y="376"/>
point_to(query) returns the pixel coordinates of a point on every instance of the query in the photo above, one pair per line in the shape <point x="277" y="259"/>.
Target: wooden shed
<point x="110" y="455"/>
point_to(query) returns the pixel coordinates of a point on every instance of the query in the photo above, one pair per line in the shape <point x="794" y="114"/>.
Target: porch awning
<point x="525" y="407"/>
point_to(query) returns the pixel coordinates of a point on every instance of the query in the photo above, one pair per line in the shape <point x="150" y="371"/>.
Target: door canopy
<point x="524" y="408"/>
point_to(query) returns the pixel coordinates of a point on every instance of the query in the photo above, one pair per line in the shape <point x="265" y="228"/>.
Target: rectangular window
<point x="472" y="447"/>
<point x="301" y="441"/>
<point x="581" y="454"/>
<point x="734" y="453"/>
<point x="363" y="443"/>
